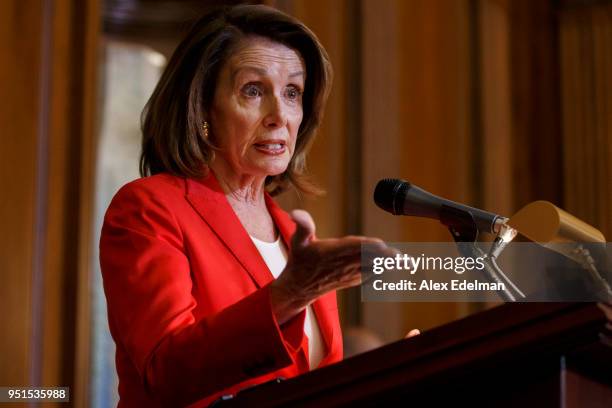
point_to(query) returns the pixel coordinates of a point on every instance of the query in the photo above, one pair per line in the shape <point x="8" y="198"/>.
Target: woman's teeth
<point x="275" y="146"/>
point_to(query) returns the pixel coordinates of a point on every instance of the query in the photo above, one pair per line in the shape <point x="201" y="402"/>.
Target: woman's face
<point x="257" y="108"/>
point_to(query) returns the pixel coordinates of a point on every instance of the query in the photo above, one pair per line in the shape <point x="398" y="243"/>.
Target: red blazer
<point x="188" y="298"/>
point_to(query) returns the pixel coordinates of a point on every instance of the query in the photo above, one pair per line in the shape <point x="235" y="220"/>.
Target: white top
<point x="275" y="256"/>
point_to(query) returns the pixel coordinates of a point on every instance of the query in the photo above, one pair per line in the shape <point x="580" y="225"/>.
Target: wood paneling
<point x="417" y="126"/>
<point x="47" y="162"/>
<point x="521" y="143"/>
<point x="20" y="76"/>
<point x="497" y="125"/>
<point x="159" y="24"/>
<point x="586" y="83"/>
<point x="537" y="144"/>
<point x="70" y="159"/>
<point x="382" y="139"/>
<point x="159" y="19"/>
<point x="439" y="126"/>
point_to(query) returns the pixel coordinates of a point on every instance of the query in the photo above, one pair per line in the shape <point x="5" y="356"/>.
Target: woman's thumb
<point x="412" y="333"/>
<point x="305" y="228"/>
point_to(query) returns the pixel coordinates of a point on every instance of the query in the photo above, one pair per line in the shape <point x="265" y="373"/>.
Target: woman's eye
<point x="293" y="93"/>
<point x="251" y="91"/>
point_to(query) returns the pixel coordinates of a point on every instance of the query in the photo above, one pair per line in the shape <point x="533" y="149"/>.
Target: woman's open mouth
<point x="271" y="147"/>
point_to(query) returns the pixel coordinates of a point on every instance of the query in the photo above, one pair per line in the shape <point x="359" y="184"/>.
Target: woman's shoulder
<point x="162" y="184"/>
<point x="158" y="191"/>
<point x="147" y="204"/>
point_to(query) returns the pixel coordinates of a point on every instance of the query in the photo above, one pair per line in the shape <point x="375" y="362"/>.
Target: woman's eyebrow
<point x="235" y="72"/>
<point x="259" y="71"/>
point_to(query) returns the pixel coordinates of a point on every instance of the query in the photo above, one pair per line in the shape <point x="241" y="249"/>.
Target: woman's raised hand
<point x="318" y="266"/>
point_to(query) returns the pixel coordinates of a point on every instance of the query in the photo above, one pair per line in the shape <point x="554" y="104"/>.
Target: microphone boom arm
<point x="463" y="228"/>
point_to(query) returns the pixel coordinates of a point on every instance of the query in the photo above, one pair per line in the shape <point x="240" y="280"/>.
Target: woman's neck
<point x="245" y="195"/>
<point x="240" y="189"/>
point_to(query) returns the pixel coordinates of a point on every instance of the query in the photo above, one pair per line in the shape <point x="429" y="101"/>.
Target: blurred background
<point x="493" y="103"/>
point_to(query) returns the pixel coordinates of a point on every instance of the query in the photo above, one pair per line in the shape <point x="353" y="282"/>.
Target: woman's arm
<point x="148" y="286"/>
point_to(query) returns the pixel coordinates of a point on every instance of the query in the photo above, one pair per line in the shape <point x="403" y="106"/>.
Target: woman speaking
<point x="211" y="287"/>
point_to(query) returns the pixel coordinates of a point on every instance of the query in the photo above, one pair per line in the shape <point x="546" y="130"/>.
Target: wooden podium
<point x="531" y="354"/>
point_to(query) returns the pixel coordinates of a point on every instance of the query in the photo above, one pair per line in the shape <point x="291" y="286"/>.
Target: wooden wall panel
<point x="73" y="139"/>
<point x="70" y="163"/>
<point x="417" y="126"/>
<point x="586" y="83"/>
<point x="536" y="154"/>
<point x="497" y="124"/>
<point x="435" y="106"/>
<point x="49" y="84"/>
<point x="437" y="126"/>
<point x="382" y="139"/>
<point x="521" y="139"/>
<point x="19" y="134"/>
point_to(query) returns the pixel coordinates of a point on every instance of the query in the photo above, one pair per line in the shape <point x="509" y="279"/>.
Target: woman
<point x="190" y="254"/>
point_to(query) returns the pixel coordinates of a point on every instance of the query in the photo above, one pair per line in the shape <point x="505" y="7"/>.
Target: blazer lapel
<point x="207" y="197"/>
<point x="282" y="220"/>
<point x="321" y="307"/>
<point x="324" y="319"/>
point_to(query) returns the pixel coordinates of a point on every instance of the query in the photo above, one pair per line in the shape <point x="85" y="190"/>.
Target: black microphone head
<point x="389" y="194"/>
<point x="400" y="197"/>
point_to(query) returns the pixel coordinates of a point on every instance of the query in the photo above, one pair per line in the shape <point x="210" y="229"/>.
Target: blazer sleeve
<point x="148" y="287"/>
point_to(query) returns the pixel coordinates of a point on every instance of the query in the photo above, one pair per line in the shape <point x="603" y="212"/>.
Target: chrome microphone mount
<point x="463" y="228"/>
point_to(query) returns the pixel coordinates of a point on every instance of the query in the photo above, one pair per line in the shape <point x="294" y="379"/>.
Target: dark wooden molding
<point x="160" y="19"/>
<point x="565" y="4"/>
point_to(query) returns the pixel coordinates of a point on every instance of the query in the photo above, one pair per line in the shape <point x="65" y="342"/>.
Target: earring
<point x="205" y="130"/>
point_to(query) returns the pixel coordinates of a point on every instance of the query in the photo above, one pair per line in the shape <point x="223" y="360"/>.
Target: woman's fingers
<point x="412" y="333"/>
<point x="305" y="230"/>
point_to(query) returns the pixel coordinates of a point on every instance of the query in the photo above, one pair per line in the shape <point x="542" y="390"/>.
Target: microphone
<point x="400" y="197"/>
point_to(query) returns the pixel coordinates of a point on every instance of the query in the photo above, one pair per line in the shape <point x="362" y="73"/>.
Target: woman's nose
<point x="276" y="113"/>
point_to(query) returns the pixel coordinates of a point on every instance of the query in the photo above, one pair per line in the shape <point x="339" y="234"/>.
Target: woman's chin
<point x="273" y="168"/>
<point x="271" y="172"/>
